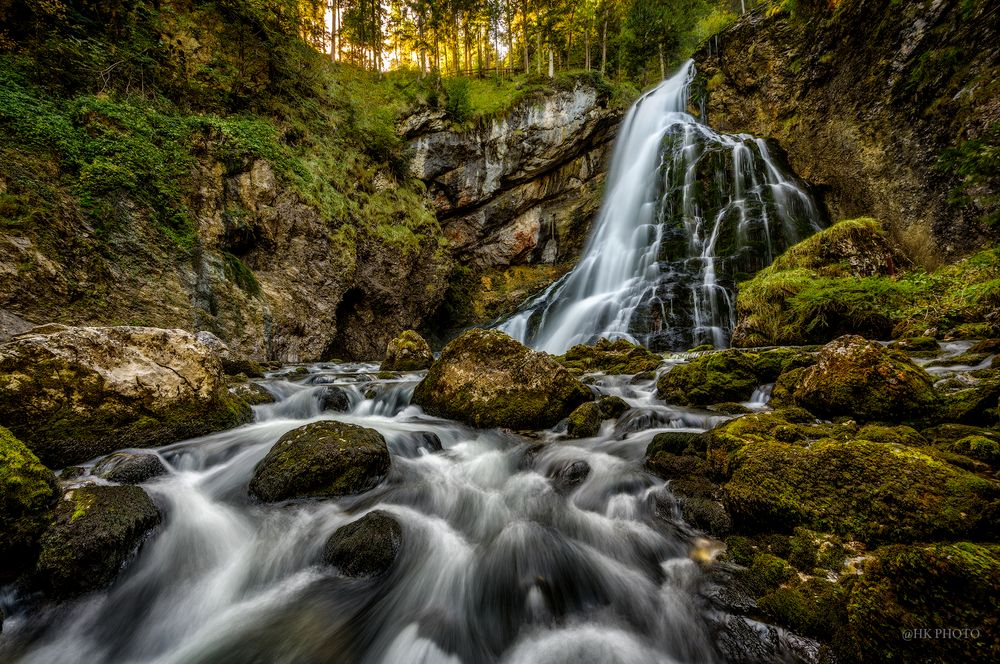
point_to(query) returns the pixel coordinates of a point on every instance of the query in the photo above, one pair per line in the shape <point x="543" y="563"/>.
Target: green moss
<point x="585" y="421"/>
<point x="610" y="357"/>
<point x="977" y="447"/>
<point x="240" y="274"/>
<point x="27" y="493"/>
<point x="814" y="607"/>
<point x="728" y="375"/>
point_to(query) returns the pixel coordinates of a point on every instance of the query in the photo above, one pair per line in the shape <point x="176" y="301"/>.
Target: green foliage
<point x="457" y="106"/>
<point x="976" y="165"/>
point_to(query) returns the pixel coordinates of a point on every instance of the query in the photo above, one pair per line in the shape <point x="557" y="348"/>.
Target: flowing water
<point x="687" y="212"/>
<point x="503" y="560"/>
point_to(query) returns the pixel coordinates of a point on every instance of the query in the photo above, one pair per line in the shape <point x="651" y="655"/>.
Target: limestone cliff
<point x="886" y="107"/>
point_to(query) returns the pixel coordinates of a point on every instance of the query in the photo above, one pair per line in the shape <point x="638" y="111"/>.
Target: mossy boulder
<point x="860" y="378"/>
<point x="93" y="532"/>
<point x="28" y="491"/>
<point x="675" y="442"/>
<point x="322" y="459"/>
<point x="726" y="376"/>
<point x="129" y="467"/>
<point x="407" y="352"/>
<point x="486" y="379"/>
<point x="252" y="393"/>
<point x="610" y="357"/>
<point x="977" y="404"/>
<point x="933" y="587"/>
<point x="585" y="421"/>
<point x="871" y="492"/>
<point x="366" y="547"/>
<point x="73" y="393"/>
<point x="980" y="448"/>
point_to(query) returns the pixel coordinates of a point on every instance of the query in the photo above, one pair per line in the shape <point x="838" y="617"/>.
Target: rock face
<point x="487" y="379"/>
<point x="27" y="494"/>
<point x="94" y="530"/>
<point x="865" y="115"/>
<point x="323" y="459"/>
<point x="75" y="393"/>
<point x="521" y="188"/>
<point x="407" y="352"/>
<point x="366" y="547"/>
<point x="859" y="378"/>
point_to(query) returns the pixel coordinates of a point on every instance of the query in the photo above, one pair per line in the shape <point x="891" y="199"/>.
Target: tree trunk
<point x="663" y="64"/>
<point x="552" y="71"/>
<point x="604" y="46"/>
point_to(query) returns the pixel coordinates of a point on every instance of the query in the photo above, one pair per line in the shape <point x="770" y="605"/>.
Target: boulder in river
<point x="130" y="467"/>
<point x="407" y="352"/>
<point x="610" y="357"/>
<point x="486" y="379"/>
<point x="859" y="378"/>
<point x="726" y="376"/>
<point x="252" y="393"/>
<point x="28" y="491"/>
<point x="94" y="531"/>
<point x="334" y="398"/>
<point x="322" y="459"/>
<point x="73" y="393"/>
<point x="366" y="547"/>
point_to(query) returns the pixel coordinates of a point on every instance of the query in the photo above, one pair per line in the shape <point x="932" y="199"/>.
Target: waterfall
<point x="687" y="213"/>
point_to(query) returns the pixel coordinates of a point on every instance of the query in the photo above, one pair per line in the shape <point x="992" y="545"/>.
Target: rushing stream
<point x="687" y="212"/>
<point x="503" y="560"/>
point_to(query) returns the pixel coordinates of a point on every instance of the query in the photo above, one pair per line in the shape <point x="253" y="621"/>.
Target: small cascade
<point x="687" y="213"/>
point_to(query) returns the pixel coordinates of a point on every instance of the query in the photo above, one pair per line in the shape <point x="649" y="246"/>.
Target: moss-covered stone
<point x="981" y="448"/>
<point x="728" y="375"/>
<point x="610" y="357"/>
<point x="872" y="492"/>
<point x="75" y="393"/>
<point x="28" y="491"/>
<point x="916" y="345"/>
<point x="612" y="407"/>
<point x="675" y="442"/>
<point x="860" y="378"/>
<point x="322" y="459"/>
<point x="252" y="393"/>
<point x="366" y="547"/>
<point x="813" y="607"/>
<point x="407" y="352"/>
<point x="129" y="467"/>
<point x="585" y="421"/>
<point x="976" y="404"/>
<point x="487" y="379"/>
<point x="925" y="587"/>
<point x="93" y="532"/>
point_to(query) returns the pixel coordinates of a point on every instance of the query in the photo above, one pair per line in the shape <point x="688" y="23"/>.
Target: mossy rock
<point x="407" y="352"/>
<point x="916" y="345"/>
<point x="585" y="421"/>
<point x="612" y="407"/>
<point x="322" y="459"/>
<point x="871" y="492"/>
<point x="71" y="394"/>
<point x="925" y="587"/>
<point x="129" y="467"/>
<point x="899" y="434"/>
<point x="252" y="393"/>
<point x="675" y="442"/>
<point x="980" y="448"/>
<point x="977" y="404"/>
<point x="814" y="607"/>
<point x="610" y="357"/>
<point x="860" y="378"/>
<point x="366" y="547"/>
<point x="28" y="491"/>
<point x="93" y="532"/>
<point x="676" y="466"/>
<point x="486" y="379"/>
<point x="725" y="376"/>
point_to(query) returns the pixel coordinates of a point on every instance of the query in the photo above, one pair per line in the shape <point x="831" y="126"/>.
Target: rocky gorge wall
<point x="886" y="108"/>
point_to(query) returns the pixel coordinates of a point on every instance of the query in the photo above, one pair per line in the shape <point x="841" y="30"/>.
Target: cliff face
<point x="885" y="107"/>
<point x="520" y="189"/>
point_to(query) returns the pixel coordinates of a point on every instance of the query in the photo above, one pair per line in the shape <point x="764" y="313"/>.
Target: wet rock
<point x="366" y="547"/>
<point x="486" y="379"/>
<point x="252" y="393"/>
<point x="610" y="357"/>
<point x="233" y="362"/>
<point x="585" y="421"/>
<point x="322" y="459"/>
<point x="570" y="475"/>
<point x="407" y="352"/>
<point x="612" y="407"/>
<point x="730" y="408"/>
<point x="73" y="393"/>
<point x="336" y="399"/>
<point x="28" y="491"/>
<point x="859" y="378"/>
<point x="129" y="468"/>
<point x="706" y="514"/>
<point x="916" y="345"/>
<point x="94" y="531"/>
<point x="726" y="376"/>
<point x="675" y="442"/>
<point x="977" y="404"/>
<point x="413" y="443"/>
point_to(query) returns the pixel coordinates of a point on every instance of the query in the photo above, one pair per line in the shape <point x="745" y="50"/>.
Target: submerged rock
<point x="610" y="357"/>
<point x="28" y="491"/>
<point x="407" y="352"/>
<point x="859" y="378"/>
<point x="570" y="475"/>
<point x="322" y="459"/>
<point x="129" y="467"/>
<point x="73" y="393"/>
<point x="487" y="379"/>
<point x="94" y="530"/>
<point x="366" y="547"/>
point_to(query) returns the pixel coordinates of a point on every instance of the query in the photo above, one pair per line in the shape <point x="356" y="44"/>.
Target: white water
<point x="678" y="193"/>
<point x="498" y="563"/>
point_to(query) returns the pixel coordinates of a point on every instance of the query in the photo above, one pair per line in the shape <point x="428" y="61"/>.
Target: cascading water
<point x="503" y="559"/>
<point x="687" y="212"/>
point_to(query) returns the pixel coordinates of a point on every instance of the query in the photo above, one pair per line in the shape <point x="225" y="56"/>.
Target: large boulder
<point x="28" y="491"/>
<point x="366" y="547"/>
<point x="487" y="379"/>
<point x="610" y="357"/>
<point x="407" y="352"/>
<point x="94" y="531"/>
<point x="860" y="378"/>
<point x="73" y="393"/>
<point x="726" y="376"/>
<point x="322" y="459"/>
